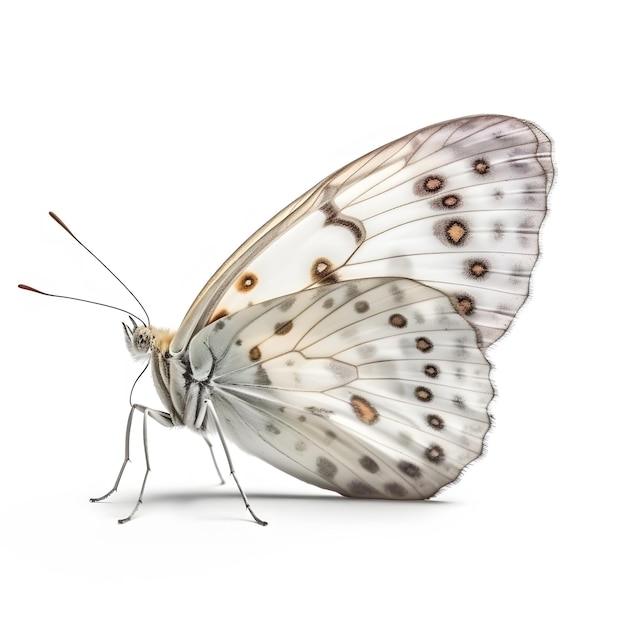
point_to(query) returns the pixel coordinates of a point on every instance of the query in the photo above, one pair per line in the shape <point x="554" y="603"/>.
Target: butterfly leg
<point x="217" y="467"/>
<point x="230" y="464"/>
<point x="161" y="417"/>
<point x="146" y="414"/>
<point x="129" y="424"/>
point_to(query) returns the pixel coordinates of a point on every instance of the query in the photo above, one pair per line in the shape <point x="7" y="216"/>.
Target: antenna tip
<point x="27" y="288"/>
<point x="60" y="222"/>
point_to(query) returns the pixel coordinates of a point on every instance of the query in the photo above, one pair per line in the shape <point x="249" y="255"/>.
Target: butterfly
<point x="344" y="342"/>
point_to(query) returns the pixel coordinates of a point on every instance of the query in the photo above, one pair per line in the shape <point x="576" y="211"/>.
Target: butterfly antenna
<point x="60" y="222"/>
<point x="132" y="389"/>
<point x="56" y="295"/>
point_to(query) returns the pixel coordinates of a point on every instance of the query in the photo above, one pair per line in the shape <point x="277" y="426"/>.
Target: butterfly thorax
<point x="182" y="388"/>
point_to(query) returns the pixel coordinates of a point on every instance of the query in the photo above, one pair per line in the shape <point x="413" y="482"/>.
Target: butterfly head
<point x="140" y="340"/>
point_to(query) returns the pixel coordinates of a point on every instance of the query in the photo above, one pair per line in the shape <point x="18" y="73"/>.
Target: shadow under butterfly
<point x="344" y="342"/>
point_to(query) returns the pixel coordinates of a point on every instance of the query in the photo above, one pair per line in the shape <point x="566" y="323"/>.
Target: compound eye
<point x="142" y="339"/>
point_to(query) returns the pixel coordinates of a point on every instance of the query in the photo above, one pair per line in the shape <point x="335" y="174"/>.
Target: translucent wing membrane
<point x="372" y="388"/>
<point x="457" y="206"/>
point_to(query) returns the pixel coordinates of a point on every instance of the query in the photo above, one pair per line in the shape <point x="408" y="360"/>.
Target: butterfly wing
<point x="371" y="387"/>
<point x="457" y="206"/>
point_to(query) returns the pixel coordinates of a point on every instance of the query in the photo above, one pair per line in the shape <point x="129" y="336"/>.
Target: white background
<point x="164" y="133"/>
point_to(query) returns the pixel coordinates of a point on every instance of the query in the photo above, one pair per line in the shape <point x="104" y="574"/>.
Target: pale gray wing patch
<point x="369" y="373"/>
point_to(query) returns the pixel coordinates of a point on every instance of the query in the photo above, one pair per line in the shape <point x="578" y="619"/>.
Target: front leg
<point x="163" y="419"/>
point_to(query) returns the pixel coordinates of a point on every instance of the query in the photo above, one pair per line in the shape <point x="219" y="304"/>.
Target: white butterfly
<point x="344" y="341"/>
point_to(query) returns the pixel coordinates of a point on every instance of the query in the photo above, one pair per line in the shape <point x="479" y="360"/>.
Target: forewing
<point x="371" y="387"/>
<point x="457" y="206"/>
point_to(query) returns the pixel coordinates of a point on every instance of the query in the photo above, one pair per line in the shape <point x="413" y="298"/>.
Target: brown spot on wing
<point x="332" y="219"/>
<point x="326" y="468"/>
<point x="435" y="454"/>
<point x="282" y="328"/>
<point x="423" y="344"/>
<point x="360" y="489"/>
<point x="432" y="371"/>
<point x="456" y="232"/>
<point x="434" y="421"/>
<point x="428" y="185"/>
<point x="477" y="268"/>
<point x="395" y="490"/>
<point x="368" y="464"/>
<point x="424" y="394"/>
<point x="463" y="303"/>
<point x="364" y="410"/>
<point x="246" y="282"/>
<point x="452" y="232"/>
<point x="397" y="320"/>
<point x="410" y="469"/>
<point x="322" y="271"/>
<point x="450" y="202"/>
<point x="481" y="166"/>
